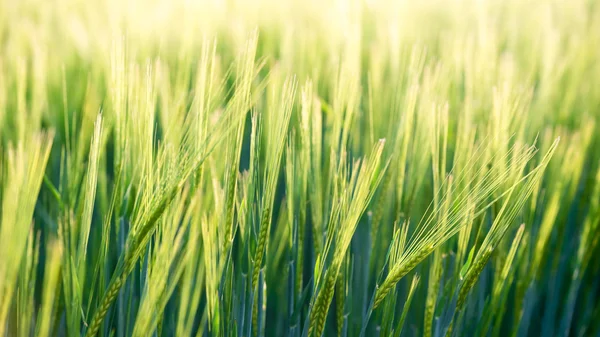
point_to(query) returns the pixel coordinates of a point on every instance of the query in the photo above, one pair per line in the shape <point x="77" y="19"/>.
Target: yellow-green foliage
<point x="299" y="168"/>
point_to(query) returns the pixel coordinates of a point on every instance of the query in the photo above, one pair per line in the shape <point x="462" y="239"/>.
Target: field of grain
<point x="303" y="168"/>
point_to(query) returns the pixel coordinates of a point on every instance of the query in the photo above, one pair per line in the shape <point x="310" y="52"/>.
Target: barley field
<point x="303" y="168"/>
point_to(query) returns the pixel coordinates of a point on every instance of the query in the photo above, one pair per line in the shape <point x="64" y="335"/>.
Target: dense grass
<point x="299" y="168"/>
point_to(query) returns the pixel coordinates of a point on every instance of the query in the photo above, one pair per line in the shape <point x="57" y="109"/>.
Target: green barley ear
<point x="74" y="231"/>
<point x="246" y="71"/>
<point x="193" y="277"/>
<point x="430" y="234"/>
<point x="165" y="267"/>
<point x="511" y="208"/>
<point x="438" y="154"/>
<point x="351" y="200"/>
<point x="275" y="146"/>
<point x="280" y="114"/>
